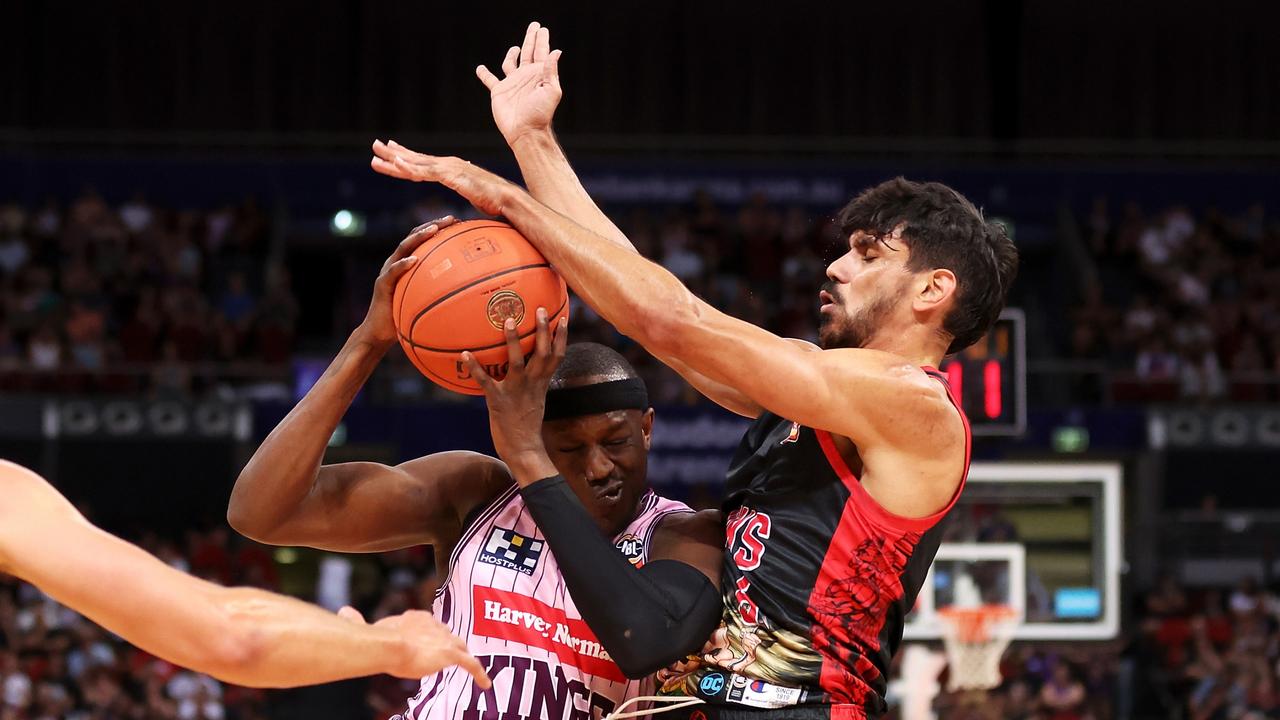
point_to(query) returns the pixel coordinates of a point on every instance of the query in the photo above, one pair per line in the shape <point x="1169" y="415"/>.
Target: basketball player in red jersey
<point x="243" y="636"/>
<point x="858" y="449"/>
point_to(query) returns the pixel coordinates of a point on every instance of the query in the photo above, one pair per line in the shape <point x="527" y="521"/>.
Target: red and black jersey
<point x="818" y="578"/>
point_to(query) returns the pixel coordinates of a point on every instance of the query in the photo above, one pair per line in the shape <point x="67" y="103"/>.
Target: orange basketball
<point x="469" y="278"/>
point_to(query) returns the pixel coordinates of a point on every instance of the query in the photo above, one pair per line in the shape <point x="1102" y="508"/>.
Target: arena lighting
<point x="347" y="223"/>
<point x="1070" y="439"/>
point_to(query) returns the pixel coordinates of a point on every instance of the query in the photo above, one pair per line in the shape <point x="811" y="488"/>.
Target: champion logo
<point x="793" y="436"/>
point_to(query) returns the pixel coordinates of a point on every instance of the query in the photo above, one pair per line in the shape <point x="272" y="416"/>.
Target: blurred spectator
<point x="99" y="289"/>
<point x="1203" y="302"/>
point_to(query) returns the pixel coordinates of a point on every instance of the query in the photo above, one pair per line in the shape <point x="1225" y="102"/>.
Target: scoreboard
<point x="990" y="377"/>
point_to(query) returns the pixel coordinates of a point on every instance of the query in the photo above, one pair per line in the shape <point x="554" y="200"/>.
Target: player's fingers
<point x="390" y="169"/>
<point x="398" y="269"/>
<point x="439" y="224"/>
<point x="514" y="356"/>
<point x="406" y="153"/>
<point x="530" y="39"/>
<point x="382" y="150"/>
<point x="509" y="62"/>
<point x="477" y="373"/>
<point x="553" y="66"/>
<point x="541" y="44"/>
<point x="412" y="171"/>
<point x="487" y="77"/>
<point x="468" y="662"/>
<point x="542" y="335"/>
<point x="346" y="612"/>
<point x="416" y="237"/>
<point x="561" y="341"/>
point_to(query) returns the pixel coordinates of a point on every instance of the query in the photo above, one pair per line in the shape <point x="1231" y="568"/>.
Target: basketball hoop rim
<point x="975" y="624"/>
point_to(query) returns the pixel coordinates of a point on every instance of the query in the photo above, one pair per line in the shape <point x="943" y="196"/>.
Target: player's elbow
<point x="232" y="652"/>
<point x="664" y="328"/>
<point x="246" y="517"/>
<point x="647" y="651"/>
<point x="241" y="518"/>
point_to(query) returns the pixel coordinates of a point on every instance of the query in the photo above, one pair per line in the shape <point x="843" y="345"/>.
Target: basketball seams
<point x="408" y="279"/>
<point x="468" y="286"/>
<point x="442" y="380"/>
<point x="423" y="364"/>
<point x="551" y="318"/>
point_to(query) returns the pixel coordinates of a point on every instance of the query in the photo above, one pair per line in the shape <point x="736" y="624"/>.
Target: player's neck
<point x="918" y="345"/>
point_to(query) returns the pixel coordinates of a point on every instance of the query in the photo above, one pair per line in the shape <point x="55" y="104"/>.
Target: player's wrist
<point x="530" y="465"/>
<point x="369" y="336"/>
<point x="532" y="139"/>
<point x="396" y="651"/>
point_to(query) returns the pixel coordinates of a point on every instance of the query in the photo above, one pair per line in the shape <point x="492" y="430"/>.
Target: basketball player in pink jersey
<point x="570" y="580"/>
<point x="243" y="636"/>
<point x="836" y="498"/>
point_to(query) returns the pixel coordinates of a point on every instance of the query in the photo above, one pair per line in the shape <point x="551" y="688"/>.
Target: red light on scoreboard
<point x="992" y="392"/>
<point x="988" y="378"/>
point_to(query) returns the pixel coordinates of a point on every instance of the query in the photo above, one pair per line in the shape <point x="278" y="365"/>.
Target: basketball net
<point x="975" y="638"/>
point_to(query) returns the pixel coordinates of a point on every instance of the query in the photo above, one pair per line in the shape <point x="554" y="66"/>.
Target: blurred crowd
<point x="56" y="665"/>
<point x="95" y="297"/>
<point x="1045" y="683"/>
<point x="1189" y="303"/>
<point x="1211" y="654"/>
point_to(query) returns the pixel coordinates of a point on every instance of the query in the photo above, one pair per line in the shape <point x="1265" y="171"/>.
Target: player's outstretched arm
<point x="240" y="635"/>
<point x="645" y="618"/>
<point x="524" y="101"/>
<point x="285" y="496"/>
<point x="879" y="400"/>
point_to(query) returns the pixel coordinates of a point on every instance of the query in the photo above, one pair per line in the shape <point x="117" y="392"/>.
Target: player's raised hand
<point x="379" y="324"/>
<point x="525" y="99"/>
<point x="431" y="646"/>
<point x="481" y="188"/>
<point x="517" y="402"/>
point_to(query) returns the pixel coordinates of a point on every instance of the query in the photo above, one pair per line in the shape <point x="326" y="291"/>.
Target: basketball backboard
<point x="1041" y="538"/>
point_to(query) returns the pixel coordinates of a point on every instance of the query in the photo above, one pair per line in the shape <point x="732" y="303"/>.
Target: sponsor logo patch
<point x="509" y="549"/>
<point x="510" y="616"/>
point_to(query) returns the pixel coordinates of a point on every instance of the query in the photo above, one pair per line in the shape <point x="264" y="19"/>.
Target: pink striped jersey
<point x="505" y="596"/>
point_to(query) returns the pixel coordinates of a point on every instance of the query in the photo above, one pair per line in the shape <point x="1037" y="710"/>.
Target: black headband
<point x="628" y="394"/>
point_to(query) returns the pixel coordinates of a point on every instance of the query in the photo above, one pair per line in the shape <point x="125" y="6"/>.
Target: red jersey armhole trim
<point x="864" y="500"/>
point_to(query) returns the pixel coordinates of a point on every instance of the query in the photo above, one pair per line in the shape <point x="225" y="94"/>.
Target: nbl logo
<point x="511" y="550"/>
<point x="630" y="547"/>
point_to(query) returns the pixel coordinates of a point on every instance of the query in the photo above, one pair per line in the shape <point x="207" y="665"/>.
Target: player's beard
<point x="842" y="329"/>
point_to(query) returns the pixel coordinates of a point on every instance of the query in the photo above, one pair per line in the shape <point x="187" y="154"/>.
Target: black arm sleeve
<point x="646" y="619"/>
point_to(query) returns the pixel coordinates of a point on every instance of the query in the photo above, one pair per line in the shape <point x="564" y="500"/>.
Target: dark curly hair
<point x="943" y="230"/>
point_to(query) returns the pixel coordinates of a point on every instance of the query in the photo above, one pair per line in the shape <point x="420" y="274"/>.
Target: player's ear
<point x="938" y="287"/>
<point x="646" y="427"/>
